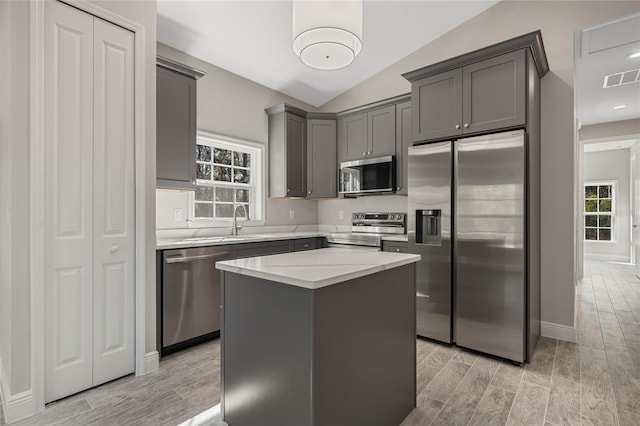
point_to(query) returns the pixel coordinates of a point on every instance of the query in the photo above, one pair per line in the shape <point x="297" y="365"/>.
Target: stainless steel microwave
<point x="368" y="177"/>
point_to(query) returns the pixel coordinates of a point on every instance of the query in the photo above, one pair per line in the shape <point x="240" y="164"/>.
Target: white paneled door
<point x="89" y="197"/>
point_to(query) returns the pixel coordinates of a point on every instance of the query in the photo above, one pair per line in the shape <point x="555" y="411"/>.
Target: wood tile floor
<point x="595" y="382"/>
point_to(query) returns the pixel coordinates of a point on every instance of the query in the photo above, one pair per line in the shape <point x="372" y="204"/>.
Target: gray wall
<point x="233" y="106"/>
<point x="613" y="165"/>
<point x="557" y="20"/>
<point x="15" y="315"/>
<point x="610" y="130"/>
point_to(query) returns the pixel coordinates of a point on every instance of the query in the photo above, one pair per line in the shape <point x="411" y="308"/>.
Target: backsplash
<point x="278" y="211"/>
<point x="329" y="211"/>
<point x="325" y="215"/>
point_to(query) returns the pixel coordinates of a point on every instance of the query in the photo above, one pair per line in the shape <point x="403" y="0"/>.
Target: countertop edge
<point x="402" y="259"/>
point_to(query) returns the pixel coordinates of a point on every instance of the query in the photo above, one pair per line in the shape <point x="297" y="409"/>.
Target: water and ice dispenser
<point x="429" y="227"/>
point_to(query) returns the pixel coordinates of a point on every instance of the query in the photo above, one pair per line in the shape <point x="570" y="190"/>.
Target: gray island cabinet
<point x="322" y="337"/>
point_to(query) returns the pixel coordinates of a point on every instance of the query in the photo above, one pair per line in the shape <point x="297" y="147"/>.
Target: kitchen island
<point x="321" y="337"/>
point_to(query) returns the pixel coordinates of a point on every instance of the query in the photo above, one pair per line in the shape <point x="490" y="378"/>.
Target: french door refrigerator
<point x="467" y="218"/>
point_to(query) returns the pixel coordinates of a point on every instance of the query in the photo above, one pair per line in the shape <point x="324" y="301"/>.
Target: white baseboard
<point x="15" y="407"/>
<point x="151" y="362"/>
<point x="558" y="331"/>
<point x="606" y="257"/>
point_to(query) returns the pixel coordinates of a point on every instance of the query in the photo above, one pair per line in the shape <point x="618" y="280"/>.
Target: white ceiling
<point x="600" y="51"/>
<point x="253" y="39"/>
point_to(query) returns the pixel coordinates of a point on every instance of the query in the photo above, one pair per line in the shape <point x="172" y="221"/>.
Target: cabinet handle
<point x="398" y="250"/>
<point x="364" y="153"/>
<point x="466" y="125"/>
<point x="309" y="192"/>
<point x="457" y="126"/>
<point x="114" y="248"/>
<point x="398" y="189"/>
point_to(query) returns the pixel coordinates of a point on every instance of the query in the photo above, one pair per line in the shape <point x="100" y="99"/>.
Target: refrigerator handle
<point x="429" y="227"/>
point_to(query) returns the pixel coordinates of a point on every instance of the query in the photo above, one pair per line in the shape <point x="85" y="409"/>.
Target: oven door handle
<point x="185" y="259"/>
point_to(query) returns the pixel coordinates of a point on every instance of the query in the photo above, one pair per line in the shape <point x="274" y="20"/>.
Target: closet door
<point x="113" y="203"/>
<point x="69" y="223"/>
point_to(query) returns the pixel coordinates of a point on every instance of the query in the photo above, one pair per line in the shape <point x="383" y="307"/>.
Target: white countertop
<point x="171" y="243"/>
<point x="315" y="269"/>
<point x="176" y="243"/>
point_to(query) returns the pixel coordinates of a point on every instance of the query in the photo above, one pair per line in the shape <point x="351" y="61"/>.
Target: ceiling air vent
<point x="620" y="78"/>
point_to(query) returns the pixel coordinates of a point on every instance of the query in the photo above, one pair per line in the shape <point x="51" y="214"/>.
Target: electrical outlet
<point x="177" y="215"/>
<point x="341" y="214"/>
<point x="292" y="214"/>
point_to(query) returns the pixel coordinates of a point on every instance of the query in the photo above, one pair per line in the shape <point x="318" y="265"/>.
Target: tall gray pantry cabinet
<point x="485" y="94"/>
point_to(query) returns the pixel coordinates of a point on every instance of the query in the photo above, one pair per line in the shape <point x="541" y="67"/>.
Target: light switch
<point x="292" y="214"/>
<point x="341" y="214"/>
<point x="177" y="215"/>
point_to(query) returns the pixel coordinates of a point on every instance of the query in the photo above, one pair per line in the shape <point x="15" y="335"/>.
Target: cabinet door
<point x="113" y="204"/>
<point x="296" y="152"/>
<point x="437" y="106"/>
<point x="382" y="131"/>
<point x="395" y="246"/>
<point x="403" y="142"/>
<point x="352" y="138"/>
<point x="176" y="130"/>
<point x="494" y="93"/>
<point x="321" y="159"/>
<point x="68" y="229"/>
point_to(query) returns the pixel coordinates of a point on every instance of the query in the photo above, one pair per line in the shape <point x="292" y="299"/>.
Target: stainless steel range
<point x="367" y="230"/>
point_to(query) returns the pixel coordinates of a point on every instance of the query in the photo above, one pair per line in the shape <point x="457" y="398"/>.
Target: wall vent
<point x="620" y="78"/>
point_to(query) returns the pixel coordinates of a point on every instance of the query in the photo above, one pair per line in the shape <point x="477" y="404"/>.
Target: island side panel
<point x="365" y="349"/>
<point x="266" y="352"/>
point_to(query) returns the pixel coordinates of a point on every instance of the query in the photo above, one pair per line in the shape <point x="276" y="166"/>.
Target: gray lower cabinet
<point x="312" y="357"/>
<point x="395" y="246"/>
<point x="308" y="244"/>
<point x="176" y="130"/>
<point x="287" y="152"/>
<point x="262" y="248"/>
<point x="321" y="159"/>
<point x="367" y="135"/>
<point x="404" y="139"/>
<point x="483" y="96"/>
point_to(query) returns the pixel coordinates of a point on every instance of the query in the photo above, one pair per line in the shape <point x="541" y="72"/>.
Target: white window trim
<point x="614" y="202"/>
<point x="259" y="203"/>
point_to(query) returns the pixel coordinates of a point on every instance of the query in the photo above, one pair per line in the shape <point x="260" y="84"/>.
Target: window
<point x="229" y="174"/>
<point x="599" y="211"/>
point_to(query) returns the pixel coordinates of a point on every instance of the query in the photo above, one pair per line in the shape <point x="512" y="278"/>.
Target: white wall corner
<point x="151" y="362"/>
<point x="558" y="331"/>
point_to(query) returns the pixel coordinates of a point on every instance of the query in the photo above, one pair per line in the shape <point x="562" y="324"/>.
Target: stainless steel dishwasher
<point x="191" y="296"/>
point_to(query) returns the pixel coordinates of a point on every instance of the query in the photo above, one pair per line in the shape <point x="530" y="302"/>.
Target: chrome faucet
<point x="234" y="229"/>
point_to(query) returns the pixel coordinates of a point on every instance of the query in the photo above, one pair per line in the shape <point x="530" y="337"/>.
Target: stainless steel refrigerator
<point x="467" y="217"/>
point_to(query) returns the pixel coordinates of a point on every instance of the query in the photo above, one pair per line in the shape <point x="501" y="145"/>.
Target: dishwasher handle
<point x="185" y="259"/>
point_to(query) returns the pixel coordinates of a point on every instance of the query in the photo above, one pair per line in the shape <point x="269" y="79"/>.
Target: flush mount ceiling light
<point x="619" y="106"/>
<point x="634" y="55"/>
<point x="327" y="35"/>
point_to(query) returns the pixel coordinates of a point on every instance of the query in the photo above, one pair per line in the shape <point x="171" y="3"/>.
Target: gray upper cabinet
<point x="287" y="152"/>
<point x="381" y="135"/>
<point x="483" y="96"/>
<point x="437" y="106"/>
<point x="176" y="124"/>
<point x="404" y="139"/>
<point x="321" y="158"/>
<point x="352" y="137"/>
<point x="494" y="93"/>
<point x="367" y="134"/>
<point x="176" y="130"/>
